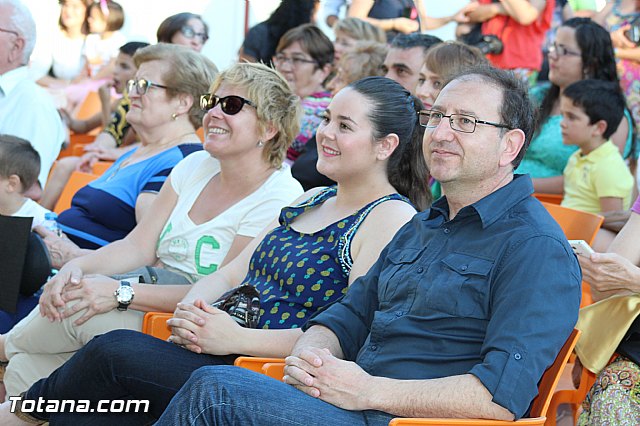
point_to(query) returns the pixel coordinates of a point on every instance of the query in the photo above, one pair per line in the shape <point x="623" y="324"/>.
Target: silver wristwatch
<point x="124" y="295"/>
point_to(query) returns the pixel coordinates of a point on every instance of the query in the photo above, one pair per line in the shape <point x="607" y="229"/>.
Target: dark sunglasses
<point x="190" y="33"/>
<point x="230" y="105"/>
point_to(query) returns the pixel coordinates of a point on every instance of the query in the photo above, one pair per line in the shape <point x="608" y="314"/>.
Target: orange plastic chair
<point x="549" y="198"/>
<point x="89" y="107"/>
<point x="576" y="224"/>
<point x="76" y="181"/>
<point x="571" y="396"/>
<point x="100" y="167"/>
<point x="155" y="324"/>
<point x="540" y="404"/>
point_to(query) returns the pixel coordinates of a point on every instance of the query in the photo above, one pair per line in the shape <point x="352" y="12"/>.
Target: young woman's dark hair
<point x="290" y="14"/>
<point x="598" y="59"/>
<point x="395" y="110"/>
<point x="174" y="23"/>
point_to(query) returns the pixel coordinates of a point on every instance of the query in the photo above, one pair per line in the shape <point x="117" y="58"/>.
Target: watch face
<point x="125" y="294"/>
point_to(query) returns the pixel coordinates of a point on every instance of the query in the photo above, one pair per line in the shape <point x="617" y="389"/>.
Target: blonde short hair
<point x="451" y="57"/>
<point x="364" y="60"/>
<point x="189" y="73"/>
<point x="276" y="104"/>
<point x="360" y="30"/>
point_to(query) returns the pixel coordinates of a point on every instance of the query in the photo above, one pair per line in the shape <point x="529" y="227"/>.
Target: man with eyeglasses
<point x="463" y="311"/>
<point x="26" y="110"/>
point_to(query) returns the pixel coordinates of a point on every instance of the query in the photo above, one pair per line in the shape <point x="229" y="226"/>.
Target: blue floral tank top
<point x="297" y="273"/>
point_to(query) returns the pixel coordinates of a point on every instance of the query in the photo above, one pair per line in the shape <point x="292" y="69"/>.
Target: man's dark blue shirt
<point x="495" y="293"/>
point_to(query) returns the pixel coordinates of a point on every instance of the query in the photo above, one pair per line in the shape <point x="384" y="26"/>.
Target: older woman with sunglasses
<point x="213" y="205"/>
<point x="369" y="142"/>
<point x="165" y="114"/>
<point x="186" y="29"/>
<point x="304" y="56"/>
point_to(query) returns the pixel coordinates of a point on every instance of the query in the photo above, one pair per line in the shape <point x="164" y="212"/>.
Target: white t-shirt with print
<point x="197" y="250"/>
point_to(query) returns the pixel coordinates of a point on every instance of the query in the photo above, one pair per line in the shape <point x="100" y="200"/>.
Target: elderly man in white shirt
<point x="26" y="110"/>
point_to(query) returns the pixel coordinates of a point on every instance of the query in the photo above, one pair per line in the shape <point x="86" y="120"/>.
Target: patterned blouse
<point x="297" y="273"/>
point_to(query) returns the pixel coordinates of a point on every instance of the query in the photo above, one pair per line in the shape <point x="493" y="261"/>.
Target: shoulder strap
<point x="344" y="245"/>
<point x="287" y="214"/>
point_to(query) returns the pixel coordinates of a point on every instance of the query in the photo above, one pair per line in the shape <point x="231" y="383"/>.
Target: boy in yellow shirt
<point x="596" y="178"/>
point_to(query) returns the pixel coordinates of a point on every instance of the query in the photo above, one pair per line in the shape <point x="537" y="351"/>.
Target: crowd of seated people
<point x="421" y="145"/>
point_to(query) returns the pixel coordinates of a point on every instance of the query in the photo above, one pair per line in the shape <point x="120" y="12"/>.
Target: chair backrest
<point x="99" y="167"/>
<point x="549" y="198"/>
<point x="76" y="181"/>
<point x="551" y="377"/>
<point x="89" y="107"/>
<point x="576" y="224"/>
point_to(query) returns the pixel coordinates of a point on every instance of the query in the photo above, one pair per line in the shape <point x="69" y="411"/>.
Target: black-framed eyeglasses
<point x="10" y="32"/>
<point x="230" y="105"/>
<point x="142" y="85"/>
<point x="295" y="61"/>
<point x="459" y="122"/>
<point x="190" y="33"/>
<point x="562" y="51"/>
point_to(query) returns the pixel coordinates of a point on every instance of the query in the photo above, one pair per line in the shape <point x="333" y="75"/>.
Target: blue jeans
<point x="227" y="395"/>
<point x="122" y="364"/>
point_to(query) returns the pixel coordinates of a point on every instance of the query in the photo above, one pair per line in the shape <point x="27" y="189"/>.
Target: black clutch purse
<point x="242" y="303"/>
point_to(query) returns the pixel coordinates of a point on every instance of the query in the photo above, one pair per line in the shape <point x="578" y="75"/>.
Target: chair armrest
<point x="255" y="363"/>
<point x="155" y="324"/>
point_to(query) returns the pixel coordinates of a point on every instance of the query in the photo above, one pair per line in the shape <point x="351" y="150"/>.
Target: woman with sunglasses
<point x="370" y="143"/>
<point x="582" y="50"/>
<point x="304" y="56"/>
<point x="186" y="29"/>
<point x="215" y="202"/>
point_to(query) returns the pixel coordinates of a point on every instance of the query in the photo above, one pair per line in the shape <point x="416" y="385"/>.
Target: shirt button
<point x="420" y="270"/>
<point x="517" y="356"/>
<point x="398" y="314"/>
<point x="447" y="230"/>
<point x="463" y="267"/>
<point x="374" y="347"/>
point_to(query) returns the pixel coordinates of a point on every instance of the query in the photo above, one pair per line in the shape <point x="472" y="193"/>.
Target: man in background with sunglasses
<point x="463" y="311"/>
<point x="26" y="110"/>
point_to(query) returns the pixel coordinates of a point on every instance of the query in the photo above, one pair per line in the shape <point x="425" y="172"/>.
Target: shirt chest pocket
<point x="458" y="285"/>
<point x="392" y="282"/>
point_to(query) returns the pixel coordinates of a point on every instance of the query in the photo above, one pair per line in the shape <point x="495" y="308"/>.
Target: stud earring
<point x="260" y="144"/>
<point x="174" y="116"/>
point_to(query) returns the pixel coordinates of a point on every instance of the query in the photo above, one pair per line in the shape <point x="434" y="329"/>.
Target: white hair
<point x="21" y="21"/>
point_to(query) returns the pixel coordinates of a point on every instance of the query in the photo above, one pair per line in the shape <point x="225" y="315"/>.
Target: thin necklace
<point x="128" y="160"/>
